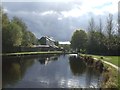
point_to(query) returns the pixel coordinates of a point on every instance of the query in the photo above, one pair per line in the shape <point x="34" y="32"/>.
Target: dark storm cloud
<point x="38" y="6"/>
<point x="42" y="25"/>
<point x="46" y="18"/>
<point x="51" y="26"/>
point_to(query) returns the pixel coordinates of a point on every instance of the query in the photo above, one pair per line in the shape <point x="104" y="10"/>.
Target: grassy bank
<point x="31" y="53"/>
<point x="113" y="76"/>
<point x="112" y="59"/>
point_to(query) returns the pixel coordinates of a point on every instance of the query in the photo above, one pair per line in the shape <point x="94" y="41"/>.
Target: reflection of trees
<point x="77" y="66"/>
<point x="91" y="73"/>
<point x="42" y="60"/>
<point x="13" y="69"/>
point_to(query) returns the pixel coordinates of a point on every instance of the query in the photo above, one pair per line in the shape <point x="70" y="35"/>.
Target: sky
<point x="59" y="18"/>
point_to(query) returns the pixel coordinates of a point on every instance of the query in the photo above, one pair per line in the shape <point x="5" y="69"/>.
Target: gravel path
<point x="116" y="67"/>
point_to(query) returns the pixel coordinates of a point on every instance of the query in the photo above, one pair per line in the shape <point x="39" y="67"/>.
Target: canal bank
<point x="112" y="79"/>
<point x="34" y="53"/>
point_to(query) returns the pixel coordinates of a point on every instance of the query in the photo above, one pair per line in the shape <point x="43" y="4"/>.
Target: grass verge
<point x="112" y="59"/>
<point x="113" y="76"/>
<point x="30" y="53"/>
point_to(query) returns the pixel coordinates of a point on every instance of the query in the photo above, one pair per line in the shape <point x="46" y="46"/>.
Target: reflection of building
<point x="46" y="60"/>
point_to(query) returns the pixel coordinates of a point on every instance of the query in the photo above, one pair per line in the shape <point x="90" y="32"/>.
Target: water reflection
<point x="13" y="69"/>
<point x="46" y="60"/>
<point x="51" y="71"/>
<point x="77" y="66"/>
<point x="92" y="74"/>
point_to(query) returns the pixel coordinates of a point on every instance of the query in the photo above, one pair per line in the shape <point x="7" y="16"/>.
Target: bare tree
<point x="110" y="25"/>
<point x="100" y="26"/>
<point x="119" y="21"/>
<point x="110" y="31"/>
<point x="91" y="26"/>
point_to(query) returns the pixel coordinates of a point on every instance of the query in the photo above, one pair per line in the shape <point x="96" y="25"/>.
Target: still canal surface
<point x="48" y="71"/>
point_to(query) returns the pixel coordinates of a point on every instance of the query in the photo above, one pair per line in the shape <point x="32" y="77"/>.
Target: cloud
<point x="72" y="13"/>
<point x="60" y="19"/>
<point x="5" y="10"/>
<point x="37" y="0"/>
<point x="48" y="13"/>
<point x="37" y="6"/>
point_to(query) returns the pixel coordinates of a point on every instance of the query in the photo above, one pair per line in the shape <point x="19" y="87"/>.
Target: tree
<point x="79" y="40"/>
<point x="91" y="26"/>
<point x="1" y="10"/>
<point x="19" y="22"/>
<point x="96" y="46"/>
<point x="12" y="36"/>
<point x="0" y="29"/>
<point x="109" y="26"/>
<point x="100" y="26"/>
<point x="101" y="38"/>
<point x="11" y="32"/>
<point x="25" y="37"/>
<point x="118" y="22"/>
<point x="66" y="47"/>
<point x="32" y="39"/>
<point x="91" y="30"/>
<point x="5" y="21"/>
<point x="15" y="34"/>
<point x="110" y="31"/>
<point x="28" y="37"/>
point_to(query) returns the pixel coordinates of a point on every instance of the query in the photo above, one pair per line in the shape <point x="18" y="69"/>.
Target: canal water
<point x="48" y="71"/>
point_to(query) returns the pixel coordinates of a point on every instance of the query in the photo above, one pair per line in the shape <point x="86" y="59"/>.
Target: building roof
<point x="50" y="38"/>
<point x="65" y="42"/>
